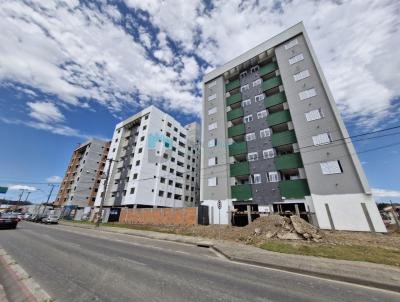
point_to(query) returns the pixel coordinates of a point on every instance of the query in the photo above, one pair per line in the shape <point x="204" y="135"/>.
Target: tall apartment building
<point x="274" y="139"/>
<point x="155" y="162"/>
<point x="82" y="178"/>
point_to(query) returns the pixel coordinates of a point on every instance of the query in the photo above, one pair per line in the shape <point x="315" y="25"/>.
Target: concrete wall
<point x="160" y="216"/>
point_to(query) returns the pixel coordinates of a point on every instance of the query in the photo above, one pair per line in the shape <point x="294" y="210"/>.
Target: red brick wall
<point x="171" y="216"/>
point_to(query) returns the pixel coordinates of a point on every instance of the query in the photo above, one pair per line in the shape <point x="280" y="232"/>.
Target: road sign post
<point x="219" y="205"/>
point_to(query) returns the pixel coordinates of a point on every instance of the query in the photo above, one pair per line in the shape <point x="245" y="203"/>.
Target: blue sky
<point x="71" y="70"/>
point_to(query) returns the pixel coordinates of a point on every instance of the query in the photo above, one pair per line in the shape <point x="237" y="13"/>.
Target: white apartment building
<point x="155" y="162"/>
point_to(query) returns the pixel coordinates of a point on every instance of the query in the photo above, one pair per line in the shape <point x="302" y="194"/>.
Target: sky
<point x="70" y="70"/>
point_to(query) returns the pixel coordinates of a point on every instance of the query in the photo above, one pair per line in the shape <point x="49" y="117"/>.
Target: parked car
<point x="27" y="216"/>
<point x="51" y="219"/>
<point x="8" y="221"/>
<point x="37" y="217"/>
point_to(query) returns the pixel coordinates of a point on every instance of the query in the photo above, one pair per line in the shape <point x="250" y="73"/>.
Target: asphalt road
<point x="74" y="264"/>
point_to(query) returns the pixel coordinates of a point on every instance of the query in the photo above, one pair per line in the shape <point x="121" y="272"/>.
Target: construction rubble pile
<point x="275" y="226"/>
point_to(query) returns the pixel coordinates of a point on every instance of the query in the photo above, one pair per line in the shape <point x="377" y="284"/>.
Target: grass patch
<point x="342" y="252"/>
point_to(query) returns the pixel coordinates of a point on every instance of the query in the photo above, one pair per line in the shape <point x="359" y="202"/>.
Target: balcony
<point x="237" y="148"/>
<point x="271" y="83"/>
<point x="268" y="68"/>
<point x="283" y="138"/>
<point x="236" y="130"/>
<point x="294" y="188"/>
<point x="275" y="99"/>
<point x="235" y="113"/>
<point x="233" y="99"/>
<point x="240" y="169"/>
<point x="232" y="85"/>
<point x="289" y="161"/>
<point x="241" y="192"/>
<point x="278" y="118"/>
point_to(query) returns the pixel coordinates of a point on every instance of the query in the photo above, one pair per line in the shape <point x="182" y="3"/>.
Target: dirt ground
<point x="260" y="231"/>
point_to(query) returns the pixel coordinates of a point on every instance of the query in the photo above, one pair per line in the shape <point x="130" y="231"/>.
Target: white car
<point x="52" y="219"/>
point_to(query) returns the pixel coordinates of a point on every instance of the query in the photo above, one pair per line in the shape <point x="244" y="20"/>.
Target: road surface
<point x="74" y="264"/>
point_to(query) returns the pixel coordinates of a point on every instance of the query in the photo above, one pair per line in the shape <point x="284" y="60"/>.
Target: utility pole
<point x="27" y="195"/>
<point x="48" y="197"/>
<point x="103" y="196"/>
<point x="20" y="197"/>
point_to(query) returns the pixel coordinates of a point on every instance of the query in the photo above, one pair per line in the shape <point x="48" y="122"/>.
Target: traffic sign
<point x="219" y="204"/>
<point x="3" y="190"/>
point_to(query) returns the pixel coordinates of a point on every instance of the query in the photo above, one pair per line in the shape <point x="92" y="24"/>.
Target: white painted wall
<point x="213" y="213"/>
<point x="347" y="213"/>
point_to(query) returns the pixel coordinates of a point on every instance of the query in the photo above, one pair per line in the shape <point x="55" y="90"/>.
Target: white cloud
<point x="21" y="187"/>
<point x="45" y="112"/>
<point x="54" y="179"/>
<point x="386" y="193"/>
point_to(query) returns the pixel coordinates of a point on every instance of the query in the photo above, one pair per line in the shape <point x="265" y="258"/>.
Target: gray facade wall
<point x="347" y="182"/>
<point x="221" y="170"/>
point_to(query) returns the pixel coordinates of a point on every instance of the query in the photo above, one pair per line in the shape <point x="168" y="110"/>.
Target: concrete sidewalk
<point x="363" y="273"/>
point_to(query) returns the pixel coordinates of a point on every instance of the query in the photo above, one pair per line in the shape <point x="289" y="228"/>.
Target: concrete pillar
<point x="296" y="206"/>
<point x="212" y="215"/>
<point x="249" y="213"/>
<point x="229" y="216"/>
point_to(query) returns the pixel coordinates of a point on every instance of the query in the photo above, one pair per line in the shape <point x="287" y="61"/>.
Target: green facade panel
<point x="268" y="68"/>
<point x="271" y="83"/>
<point x="240" y="169"/>
<point x="289" y="161"/>
<point x="237" y="148"/>
<point x="233" y="99"/>
<point x="275" y="99"/>
<point x="241" y="192"/>
<point x="235" y="113"/>
<point x="278" y="118"/>
<point x="232" y="85"/>
<point x="297" y="188"/>
<point x="236" y="130"/>
<point x="283" y="138"/>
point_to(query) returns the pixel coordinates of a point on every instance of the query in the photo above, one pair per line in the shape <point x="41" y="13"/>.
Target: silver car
<point x="51" y="219"/>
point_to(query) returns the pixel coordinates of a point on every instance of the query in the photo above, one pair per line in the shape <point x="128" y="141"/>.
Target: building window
<point x="161" y="193"/>
<point x="306" y="94"/>
<point x="212" y="143"/>
<point x="244" y="87"/>
<point x="212" y="126"/>
<point x="265" y="132"/>
<point x="259" y="97"/>
<point x="321" y="139"/>
<point x="296" y="59"/>
<point x="212" y="84"/>
<point x="132" y="190"/>
<point x="257" y="82"/>
<point x="250" y="136"/>
<point x="248" y="118"/>
<point x="212" y="97"/>
<point x="212" y="161"/>
<point x="301" y="75"/>
<point x="169" y="195"/>
<point x="255" y="178"/>
<point x="331" y="167"/>
<point x="252" y="156"/>
<point x="254" y="69"/>
<point x="314" y="115"/>
<point x="269" y="153"/>
<point x="164" y="168"/>
<point x="273" y="177"/>
<point x="291" y="44"/>
<point x="212" y="110"/>
<point x="246" y="103"/>
<point x="142" y="138"/>
<point x="162" y="180"/>
<point x="212" y="181"/>
<point x="144" y="127"/>
<point x="262" y="114"/>
<point x="243" y="74"/>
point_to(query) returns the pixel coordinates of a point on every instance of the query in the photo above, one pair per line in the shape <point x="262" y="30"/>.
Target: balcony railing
<point x="237" y="148"/>
<point x="241" y="192"/>
<point x="297" y="188"/>
<point x="236" y="130"/>
<point x="283" y="138"/>
<point x="271" y="83"/>
<point x="232" y="85"/>
<point x="240" y="169"/>
<point x="288" y="161"/>
<point x="278" y="118"/>
<point x="275" y="99"/>
<point x="233" y="99"/>
<point x="235" y="113"/>
<point x="268" y="68"/>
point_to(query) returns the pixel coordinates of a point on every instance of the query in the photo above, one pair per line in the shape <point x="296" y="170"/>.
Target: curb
<point x="205" y="244"/>
<point x="33" y="289"/>
<point x="300" y="271"/>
